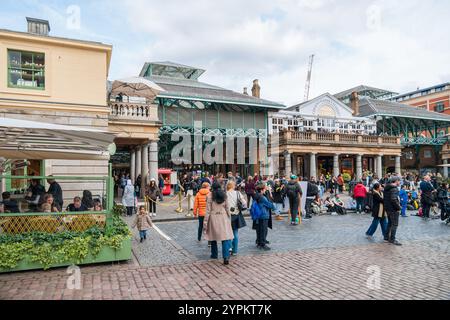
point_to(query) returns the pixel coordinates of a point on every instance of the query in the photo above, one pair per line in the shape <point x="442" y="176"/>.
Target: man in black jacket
<point x="426" y="196"/>
<point x="35" y="195"/>
<point x="56" y="191"/>
<point x="392" y="207"/>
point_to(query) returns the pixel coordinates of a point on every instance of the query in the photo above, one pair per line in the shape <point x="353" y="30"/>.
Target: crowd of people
<point x="49" y="201"/>
<point x="220" y="201"/>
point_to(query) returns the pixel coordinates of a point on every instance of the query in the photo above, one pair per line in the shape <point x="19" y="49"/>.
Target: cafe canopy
<point x="23" y="139"/>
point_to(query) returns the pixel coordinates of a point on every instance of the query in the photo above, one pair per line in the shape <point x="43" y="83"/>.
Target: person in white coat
<point x="128" y="199"/>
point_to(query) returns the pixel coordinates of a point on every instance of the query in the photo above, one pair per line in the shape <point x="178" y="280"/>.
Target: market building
<point x="421" y="130"/>
<point x="56" y="80"/>
<point x="185" y="106"/>
<point x="324" y="135"/>
<point x="434" y="99"/>
<point x="421" y="133"/>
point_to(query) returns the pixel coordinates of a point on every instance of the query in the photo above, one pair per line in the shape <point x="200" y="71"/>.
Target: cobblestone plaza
<point x="325" y="258"/>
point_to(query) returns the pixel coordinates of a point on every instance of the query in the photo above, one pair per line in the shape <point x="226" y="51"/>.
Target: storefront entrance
<point x="325" y="165"/>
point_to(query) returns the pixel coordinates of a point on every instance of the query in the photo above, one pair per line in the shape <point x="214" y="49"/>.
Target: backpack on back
<point x="312" y="190"/>
<point x="255" y="211"/>
<point x="292" y="192"/>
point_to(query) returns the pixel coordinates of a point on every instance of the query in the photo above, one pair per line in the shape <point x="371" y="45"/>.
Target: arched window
<point x="326" y="111"/>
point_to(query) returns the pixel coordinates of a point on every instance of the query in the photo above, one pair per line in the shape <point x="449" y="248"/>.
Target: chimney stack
<point x="256" y="89"/>
<point x="38" y="26"/>
<point x="245" y="91"/>
<point x="354" y="100"/>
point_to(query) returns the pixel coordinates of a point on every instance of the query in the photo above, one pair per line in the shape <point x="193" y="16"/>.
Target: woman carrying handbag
<point x="237" y="204"/>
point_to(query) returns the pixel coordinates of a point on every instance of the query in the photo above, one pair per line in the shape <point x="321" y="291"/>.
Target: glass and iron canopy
<point x="365" y="92"/>
<point x="416" y="126"/>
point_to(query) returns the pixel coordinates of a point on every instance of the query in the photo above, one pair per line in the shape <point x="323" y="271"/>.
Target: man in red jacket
<point x="359" y="193"/>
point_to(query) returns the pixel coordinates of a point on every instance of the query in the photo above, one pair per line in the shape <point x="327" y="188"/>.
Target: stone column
<point x="133" y="166"/>
<point x="138" y="157"/>
<point x="154" y="159"/>
<point x="287" y="164"/>
<point x="312" y="165"/>
<point x="358" y="167"/>
<point x="295" y="164"/>
<point x="336" y="165"/>
<point x="144" y="166"/>
<point x="379" y="166"/>
<point x="445" y="173"/>
<point x="398" y="167"/>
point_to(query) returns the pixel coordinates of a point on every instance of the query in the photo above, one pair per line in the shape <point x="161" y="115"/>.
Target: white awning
<point x="23" y="139"/>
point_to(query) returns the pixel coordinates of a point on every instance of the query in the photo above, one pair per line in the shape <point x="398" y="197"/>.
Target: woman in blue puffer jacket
<point x="262" y="224"/>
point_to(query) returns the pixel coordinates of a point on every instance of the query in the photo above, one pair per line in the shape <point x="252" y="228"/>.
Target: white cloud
<point x="397" y="45"/>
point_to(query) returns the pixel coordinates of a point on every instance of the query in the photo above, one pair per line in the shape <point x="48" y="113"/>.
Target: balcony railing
<point x="298" y="137"/>
<point x="133" y="111"/>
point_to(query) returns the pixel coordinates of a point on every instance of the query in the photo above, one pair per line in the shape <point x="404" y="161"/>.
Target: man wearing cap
<point x="294" y="194"/>
<point x="392" y="207"/>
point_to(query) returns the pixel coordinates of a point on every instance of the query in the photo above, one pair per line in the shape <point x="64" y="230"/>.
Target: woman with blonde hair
<point x="236" y="204"/>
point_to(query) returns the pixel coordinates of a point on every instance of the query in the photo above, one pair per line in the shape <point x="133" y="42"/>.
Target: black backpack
<point x="292" y="191"/>
<point x="313" y="190"/>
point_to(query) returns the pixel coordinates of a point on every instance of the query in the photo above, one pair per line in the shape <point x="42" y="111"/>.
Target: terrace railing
<point x="300" y="137"/>
<point x="133" y="111"/>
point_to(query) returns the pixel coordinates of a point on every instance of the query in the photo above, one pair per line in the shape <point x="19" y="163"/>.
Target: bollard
<point x="180" y="199"/>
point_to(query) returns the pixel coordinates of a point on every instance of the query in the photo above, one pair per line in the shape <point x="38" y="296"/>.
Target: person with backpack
<point x="279" y="196"/>
<point x="311" y="192"/>
<point x="359" y="193"/>
<point x="294" y="194"/>
<point x="260" y="212"/>
<point x="200" y="207"/>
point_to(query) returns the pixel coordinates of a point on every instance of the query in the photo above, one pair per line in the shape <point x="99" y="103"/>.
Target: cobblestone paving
<point x="156" y="250"/>
<point x="326" y="258"/>
<point x="320" y="232"/>
<point x="415" y="271"/>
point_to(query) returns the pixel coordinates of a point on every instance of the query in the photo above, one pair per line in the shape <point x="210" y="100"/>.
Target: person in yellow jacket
<point x="200" y="207"/>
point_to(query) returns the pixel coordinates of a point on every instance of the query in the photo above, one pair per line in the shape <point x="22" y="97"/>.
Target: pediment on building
<point x="325" y="105"/>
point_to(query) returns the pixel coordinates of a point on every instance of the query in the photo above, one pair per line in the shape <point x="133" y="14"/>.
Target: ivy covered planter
<point x="39" y="250"/>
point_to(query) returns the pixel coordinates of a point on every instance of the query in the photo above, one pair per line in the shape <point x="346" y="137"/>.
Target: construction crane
<point x="308" y="77"/>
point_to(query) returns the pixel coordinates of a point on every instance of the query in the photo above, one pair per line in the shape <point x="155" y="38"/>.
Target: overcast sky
<point x="393" y="44"/>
